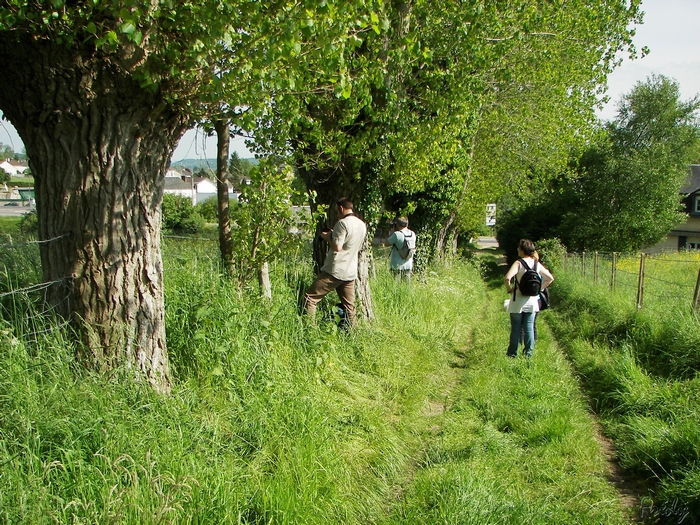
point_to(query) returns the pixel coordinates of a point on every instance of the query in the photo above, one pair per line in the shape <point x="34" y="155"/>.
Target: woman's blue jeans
<point x="518" y="322"/>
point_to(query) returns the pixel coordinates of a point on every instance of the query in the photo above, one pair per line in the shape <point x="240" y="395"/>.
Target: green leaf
<point x="128" y="27"/>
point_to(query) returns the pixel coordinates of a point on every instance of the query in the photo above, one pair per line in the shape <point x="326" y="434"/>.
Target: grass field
<point x="640" y="368"/>
<point x="417" y="417"/>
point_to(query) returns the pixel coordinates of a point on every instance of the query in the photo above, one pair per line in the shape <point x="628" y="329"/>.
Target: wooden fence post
<point x="583" y="264"/>
<point x="696" y="295"/>
<point x="613" y="277"/>
<point x="640" y="283"/>
<point x="595" y="268"/>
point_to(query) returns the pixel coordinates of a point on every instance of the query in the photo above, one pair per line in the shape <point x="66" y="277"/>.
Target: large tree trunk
<point x="98" y="146"/>
<point x="362" y="288"/>
<point x="329" y="186"/>
<point x="223" y="138"/>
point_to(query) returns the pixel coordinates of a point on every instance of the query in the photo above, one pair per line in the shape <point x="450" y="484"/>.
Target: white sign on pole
<point x="490" y="215"/>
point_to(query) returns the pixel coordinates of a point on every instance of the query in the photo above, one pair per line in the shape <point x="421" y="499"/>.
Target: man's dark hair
<point x="345" y="203"/>
<point x="401" y="222"/>
<point x="527" y="246"/>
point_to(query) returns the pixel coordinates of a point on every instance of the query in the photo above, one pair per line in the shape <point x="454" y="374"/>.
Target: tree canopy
<point x="623" y="191"/>
<point x="384" y="101"/>
<point x="453" y="96"/>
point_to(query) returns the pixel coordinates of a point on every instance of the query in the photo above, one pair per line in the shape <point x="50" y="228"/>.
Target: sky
<point x="195" y="144"/>
<point x="669" y="31"/>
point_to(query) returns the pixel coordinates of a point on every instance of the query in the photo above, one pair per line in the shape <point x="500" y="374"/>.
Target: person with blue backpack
<point x="403" y="243"/>
<point x="525" y="280"/>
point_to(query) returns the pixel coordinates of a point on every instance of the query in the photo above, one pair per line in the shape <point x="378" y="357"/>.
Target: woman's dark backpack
<point x="531" y="282"/>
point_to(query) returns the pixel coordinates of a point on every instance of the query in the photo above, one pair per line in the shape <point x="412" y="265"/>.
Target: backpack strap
<point x="515" y="288"/>
<point x="534" y="266"/>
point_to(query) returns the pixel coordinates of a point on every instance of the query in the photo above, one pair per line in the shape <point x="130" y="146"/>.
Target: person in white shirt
<point x="523" y="308"/>
<point x="400" y="234"/>
<point x="339" y="271"/>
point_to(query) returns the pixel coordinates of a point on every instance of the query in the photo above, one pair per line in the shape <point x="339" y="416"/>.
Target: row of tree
<point x="423" y="107"/>
<point x="621" y="191"/>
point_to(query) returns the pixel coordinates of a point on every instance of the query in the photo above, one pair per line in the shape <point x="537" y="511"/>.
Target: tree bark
<point x="223" y="138"/>
<point x="362" y="288"/>
<point x="99" y="145"/>
<point x="264" y="281"/>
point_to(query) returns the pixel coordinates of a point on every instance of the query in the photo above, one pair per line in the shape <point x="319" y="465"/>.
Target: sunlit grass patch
<point x="640" y="372"/>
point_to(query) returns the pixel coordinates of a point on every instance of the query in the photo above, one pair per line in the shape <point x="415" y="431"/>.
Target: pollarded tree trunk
<point x="362" y="288"/>
<point x="98" y="146"/>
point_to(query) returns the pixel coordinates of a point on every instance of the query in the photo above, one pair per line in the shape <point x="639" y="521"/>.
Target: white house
<point x="13" y="167"/>
<point x="198" y="189"/>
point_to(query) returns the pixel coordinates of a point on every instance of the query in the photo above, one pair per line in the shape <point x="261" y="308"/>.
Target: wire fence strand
<point x="35" y="287"/>
<point x="32" y="243"/>
<point x="662" y="278"/>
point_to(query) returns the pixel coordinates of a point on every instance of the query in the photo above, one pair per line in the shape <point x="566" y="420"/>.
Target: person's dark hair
<point x="401" y="222"/>
<point x="345" y="203"/>
<point x="527" y="247"/>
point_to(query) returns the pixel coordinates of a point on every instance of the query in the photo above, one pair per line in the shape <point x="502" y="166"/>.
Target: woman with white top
<point x="523" y="308"/>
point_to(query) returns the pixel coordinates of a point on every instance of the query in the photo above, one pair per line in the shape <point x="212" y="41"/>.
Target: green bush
<point x="192" y="224"/>
<point x="209" y="209"/>
<point x="179" y="215"/>
<point x="29" y="224"/>
<point x="552" y="252"/>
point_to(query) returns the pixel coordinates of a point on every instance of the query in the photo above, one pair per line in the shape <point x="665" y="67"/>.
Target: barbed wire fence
<point x="27" y="303"/>
<point x="653" y="280"/>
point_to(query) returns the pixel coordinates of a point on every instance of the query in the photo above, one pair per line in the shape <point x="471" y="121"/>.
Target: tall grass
<point x="515" y="443"/>
<point x="641" y="371"/>
<point x="272" y="419"/>
<point x="415" y="418"/>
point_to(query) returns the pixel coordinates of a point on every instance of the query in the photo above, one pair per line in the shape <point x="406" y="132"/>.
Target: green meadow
<point x="640" y="369"/>
<point x="416" y="417"/>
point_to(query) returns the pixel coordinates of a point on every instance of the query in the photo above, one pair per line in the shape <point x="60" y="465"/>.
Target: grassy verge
<point x="515" y="444"/>
<point x="415" y="418"/>
<point x="639" y="370"/>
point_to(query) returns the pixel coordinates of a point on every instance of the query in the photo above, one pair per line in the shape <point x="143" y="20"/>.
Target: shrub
<point x="192" y="224"/>
<point x="208" y="209"/>
<point x="29" y="224"/>
<point x="179" y="215"/>
<point x="552" y="252"/>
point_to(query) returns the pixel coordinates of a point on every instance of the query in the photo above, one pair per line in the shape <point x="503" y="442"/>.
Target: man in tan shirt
<point x="339" y="271"/>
